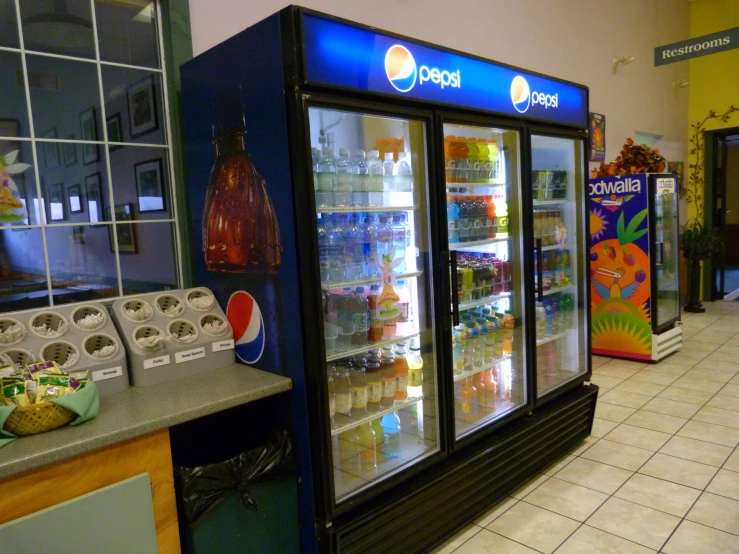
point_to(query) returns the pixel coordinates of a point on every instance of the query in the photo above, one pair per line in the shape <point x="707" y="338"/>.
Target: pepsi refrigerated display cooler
<point x="635" y="269"/>
<point x="402" y="230"/>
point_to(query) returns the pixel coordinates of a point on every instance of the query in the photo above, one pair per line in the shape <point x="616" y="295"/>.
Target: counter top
<point x="139" y="411"/>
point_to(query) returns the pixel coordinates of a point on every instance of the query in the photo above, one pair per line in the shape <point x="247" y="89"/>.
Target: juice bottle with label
<point x="375" y="326"/>
<point x="547" y="270"/>
<point x="349" y="450"/>
<point x="494" y="151"/>
<point x="401" y="372"/>
<point x="342" y="387"/>
<point x="387" y="371"/>
<point x="501" y="215"/>
<point x="368" y="445"/>
<point x="469" y="401"/>
<point x="360" y="387"/>
<point x="485" y="165"/>
<point x="415" y="371"/>
<point x="509" y="323"/>
<point x="491" y="389"/>
<point x="473" y="157"/>
<point x="374" y="385"/>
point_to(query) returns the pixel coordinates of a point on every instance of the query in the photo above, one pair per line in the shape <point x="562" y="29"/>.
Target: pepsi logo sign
<point x="523" y="97"/>
<point x="245" y="317"/>
<point x="400" y="68"/>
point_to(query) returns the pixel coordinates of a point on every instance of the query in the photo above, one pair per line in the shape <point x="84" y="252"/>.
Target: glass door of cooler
<point x="485" y="249"/>
<point x="374" y="247"/>
<point x="666" y="252"/>
<point x="558" y="194"/>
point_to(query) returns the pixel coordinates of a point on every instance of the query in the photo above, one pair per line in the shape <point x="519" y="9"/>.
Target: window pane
<point x="82" y="263"/>
<point x="22" y="270"/>
<point x="8" y="24"/>
<point x="59" y="27"/>
<point x="141" y="177"/>
<point x="14" y="116"/>
<point x="21" y="206"/>
<point x="66" y="103"/>
<point x="75" y="192"/>
<point x="150" y="264"/>
<point x="127" y="33"/>
<point x="137" y="96"/>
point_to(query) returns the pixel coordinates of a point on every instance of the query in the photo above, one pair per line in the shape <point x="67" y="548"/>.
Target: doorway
<point x="722" y="210"/>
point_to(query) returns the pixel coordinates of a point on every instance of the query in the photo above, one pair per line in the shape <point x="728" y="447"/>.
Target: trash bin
<point x="248" y="503"/>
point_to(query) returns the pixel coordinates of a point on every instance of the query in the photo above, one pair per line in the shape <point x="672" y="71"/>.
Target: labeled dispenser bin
<point x="173" y="334"/>
<point x="76" y="336"/>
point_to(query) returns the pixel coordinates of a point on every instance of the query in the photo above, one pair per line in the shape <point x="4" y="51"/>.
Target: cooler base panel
<point x="425" y="511"/>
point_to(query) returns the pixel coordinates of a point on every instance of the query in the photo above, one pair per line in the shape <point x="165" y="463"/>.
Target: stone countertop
<point x="139" y="411"/>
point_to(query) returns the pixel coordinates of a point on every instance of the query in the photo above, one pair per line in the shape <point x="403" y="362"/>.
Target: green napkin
<point x="84" y="403"/>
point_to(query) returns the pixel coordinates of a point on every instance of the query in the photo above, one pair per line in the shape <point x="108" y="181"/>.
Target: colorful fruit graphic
<point x="593" y="256"/>
<point x="628" y="258"/>
<point x="620" y="332"/>
<point x="598" y="224"/>
<point x="610" y="251"/>
<point x="640" y="276"/>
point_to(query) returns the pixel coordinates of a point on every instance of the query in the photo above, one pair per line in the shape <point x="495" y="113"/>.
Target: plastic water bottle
<point x="360" y="178"/>
<point x="557" y="322"/>
<point x="323" y="249"/>
<point x="384" y="238"/>
<point x="376" y="179"/>
<point x="567" y="307"/>
<point x="369" y="248"/>
<point x="391" y="430"/>
<point x="410" y="253"/>
<point x="326" y="171"/>
<point x="335" y="233"/>
<point x="399" y="242"/>
<point x="404" y="179"/>
<point x="353" y="258"/>
<point x="388" y="171"/>
<point x="344" y="177"/>
<point x="549" y="313"/>
<point x="541" y="321"/>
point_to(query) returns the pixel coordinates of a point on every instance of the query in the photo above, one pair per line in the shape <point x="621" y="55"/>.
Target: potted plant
<point x="697" y="242"/>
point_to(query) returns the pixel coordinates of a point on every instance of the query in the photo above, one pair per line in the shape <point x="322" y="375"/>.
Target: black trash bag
<point x="203" y="488"/>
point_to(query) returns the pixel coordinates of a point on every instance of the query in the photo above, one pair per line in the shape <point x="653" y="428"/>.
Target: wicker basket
<point x="31" y="420"/>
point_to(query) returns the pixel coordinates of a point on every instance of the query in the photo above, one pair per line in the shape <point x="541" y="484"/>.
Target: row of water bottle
<point x="350" y="244"/>
<point x="361" y="179"/>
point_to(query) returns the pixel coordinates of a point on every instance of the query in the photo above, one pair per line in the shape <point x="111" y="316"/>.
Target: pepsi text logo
<point x="401" y="71"/>
<point x="620" y="186"/>
<point x="523" y="97"/>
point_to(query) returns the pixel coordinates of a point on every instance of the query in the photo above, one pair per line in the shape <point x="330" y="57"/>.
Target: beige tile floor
<point x="660" y="472"/>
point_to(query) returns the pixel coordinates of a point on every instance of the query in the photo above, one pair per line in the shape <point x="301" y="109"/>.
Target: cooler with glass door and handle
<point x="399" y="228"/>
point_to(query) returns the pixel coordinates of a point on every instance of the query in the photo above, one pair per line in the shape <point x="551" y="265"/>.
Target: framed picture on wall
<point x="88" y="127"/>
<point x="74" y="199"/>
<point x="70" y="152"/>
<point x="51" y="149"/>
<point x="125" y="231"/>
<point x="94" y="196"/>
<point x="10" y="128"/>
<point x="56" y="202"/>
<point x="150" y="185"/>
<point x="142" y="107"/>
<point x="115" y="130"/>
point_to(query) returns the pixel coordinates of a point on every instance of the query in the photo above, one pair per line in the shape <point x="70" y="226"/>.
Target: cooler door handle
<point x="455" y="287"/>
<point x="539" y="271"/>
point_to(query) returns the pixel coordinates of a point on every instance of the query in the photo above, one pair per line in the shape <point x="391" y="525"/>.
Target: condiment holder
<point x="173" y="334"/>
<point x="75" y="336"/>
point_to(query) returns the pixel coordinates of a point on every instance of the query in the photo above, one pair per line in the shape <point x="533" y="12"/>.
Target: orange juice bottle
<point x="469" y="401"/>
<point x="491" y="389"/>
<point x="509" y="322"/>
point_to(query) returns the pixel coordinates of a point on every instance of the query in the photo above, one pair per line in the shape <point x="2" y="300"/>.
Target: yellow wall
<point x="714" y="79"/>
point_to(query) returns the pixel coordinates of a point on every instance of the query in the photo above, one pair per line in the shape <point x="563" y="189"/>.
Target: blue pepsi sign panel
<point x="343" y="55"/>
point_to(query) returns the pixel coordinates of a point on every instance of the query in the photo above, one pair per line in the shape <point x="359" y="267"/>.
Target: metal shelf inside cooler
<point x="338" y="354"/>
<point x="351" y="209"/>
<point x="463" y="245"/>
<point x="469" y="304"/>
<point x="552" y="247"/>
<point x="343" y="422"/>
<point x="555" y="290"/>
<point x="475" y="371"/>
<point x="328" y="285"/>
<point x="558" y="336"/>
<point x="475" y="185"/>
<point x="553" y="201"/>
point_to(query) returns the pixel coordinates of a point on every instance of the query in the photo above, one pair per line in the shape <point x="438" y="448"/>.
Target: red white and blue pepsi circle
<point x="400" y="68"/>
<point x="520" y="94"/>
<point x="245" y="317"/>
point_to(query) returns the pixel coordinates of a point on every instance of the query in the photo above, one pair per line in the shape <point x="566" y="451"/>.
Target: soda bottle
<point x="360" y="178"/>
<point x="468" y="393"/>
<point x="509" y="323"/>
<point x="384" y="237"/>
<point x="541" y="321"/>
<point x="501" y="215"/>
<point x="464" y="218"/>
<point x="240" y="229"/>
<point x="549" y="313"/>
<point x="404" y="179"/>
<point x="452" y="216"/>
<point x="342" y="387"/>
<point x="344" y="178"/>
<point x="399" y="242"/>
<point x="350" y="450"/>
<point x="331" y="395"/>
<point x="368" y="444"/>
<point x="326" y="172"/>
<point x="387" y="371"/>
<point x="376" y="179"/>
<point x="415" y="371"/>
<point x="335" y="236"/>
<point x="401" y="372"/>
<point x="391" y="431"/>
<point x="369" y="248"/>
<point x="359" y="312"/>
<point x="353" y="252"/>
<point x="374" y="384"/>
<point x="388" y="171"/>
<point x="360" y="388"/>
<point x="376" y="326"/>
<point x="473" y="155"/>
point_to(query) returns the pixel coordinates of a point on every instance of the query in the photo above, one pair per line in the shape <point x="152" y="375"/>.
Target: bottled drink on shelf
<point x="509" y="323"/>
<point x="494" y="152"/>
<point x="461" y="154"/>
<point x="360" y="387"/>
<point x="369" y="248"/>
<point x="491" y="389"/>
<point x="323" y="249"/>
<point x="501" y="215"/>
<point x="549" y="312"/>
<point x="449" y="160"/>
<point x="492" y="324"/>
<point x="391" y="431"/>
<point x="415" y="371"/>
<point x="567" y="307"/>
<point x="353" y="253"/>
<point x="349" y="450"/>
<point x="401" y="372"/>
<point x="335" y="236"/>
<point x="360" y="179"/>
<point x="387" y="370"/>
<point x="557" y="324"/>
<point x="360" y="311"/>
<point x="546" y="270"/>
<point x="404" y="178"/>
<point x="567" y="266"/>
<point x="410" y="251"/>
<point x="482" y="337"/>
<point x="452" y="216"/>
<point x="468" y="395"/>
<point x="374" y="383"/>
<point x="376" y="425"/>
<point x="470" y="345"/>
<point x="368" y="445"/>
<point x="490" y="224"/>
<point x="485" y="165"/>
<point x="326" y="178"/>
<point x="541" y="321"/>
<point x="388" y="171"/>
<point x="344" y="178"/>
<point x="459" y="338"/>
<point x="342" y="387"/>
<point x="376" y="326"/>
<point x="506" y="272"/>
<point x="473" y="161"/>
<point x="384" y="237"/>
<point x="464" y="218"/>
<point x="345" y="318"/>
<point x="375" y="183"/>
<point x="399" y="242"/>
<point x="404" y="319"/>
